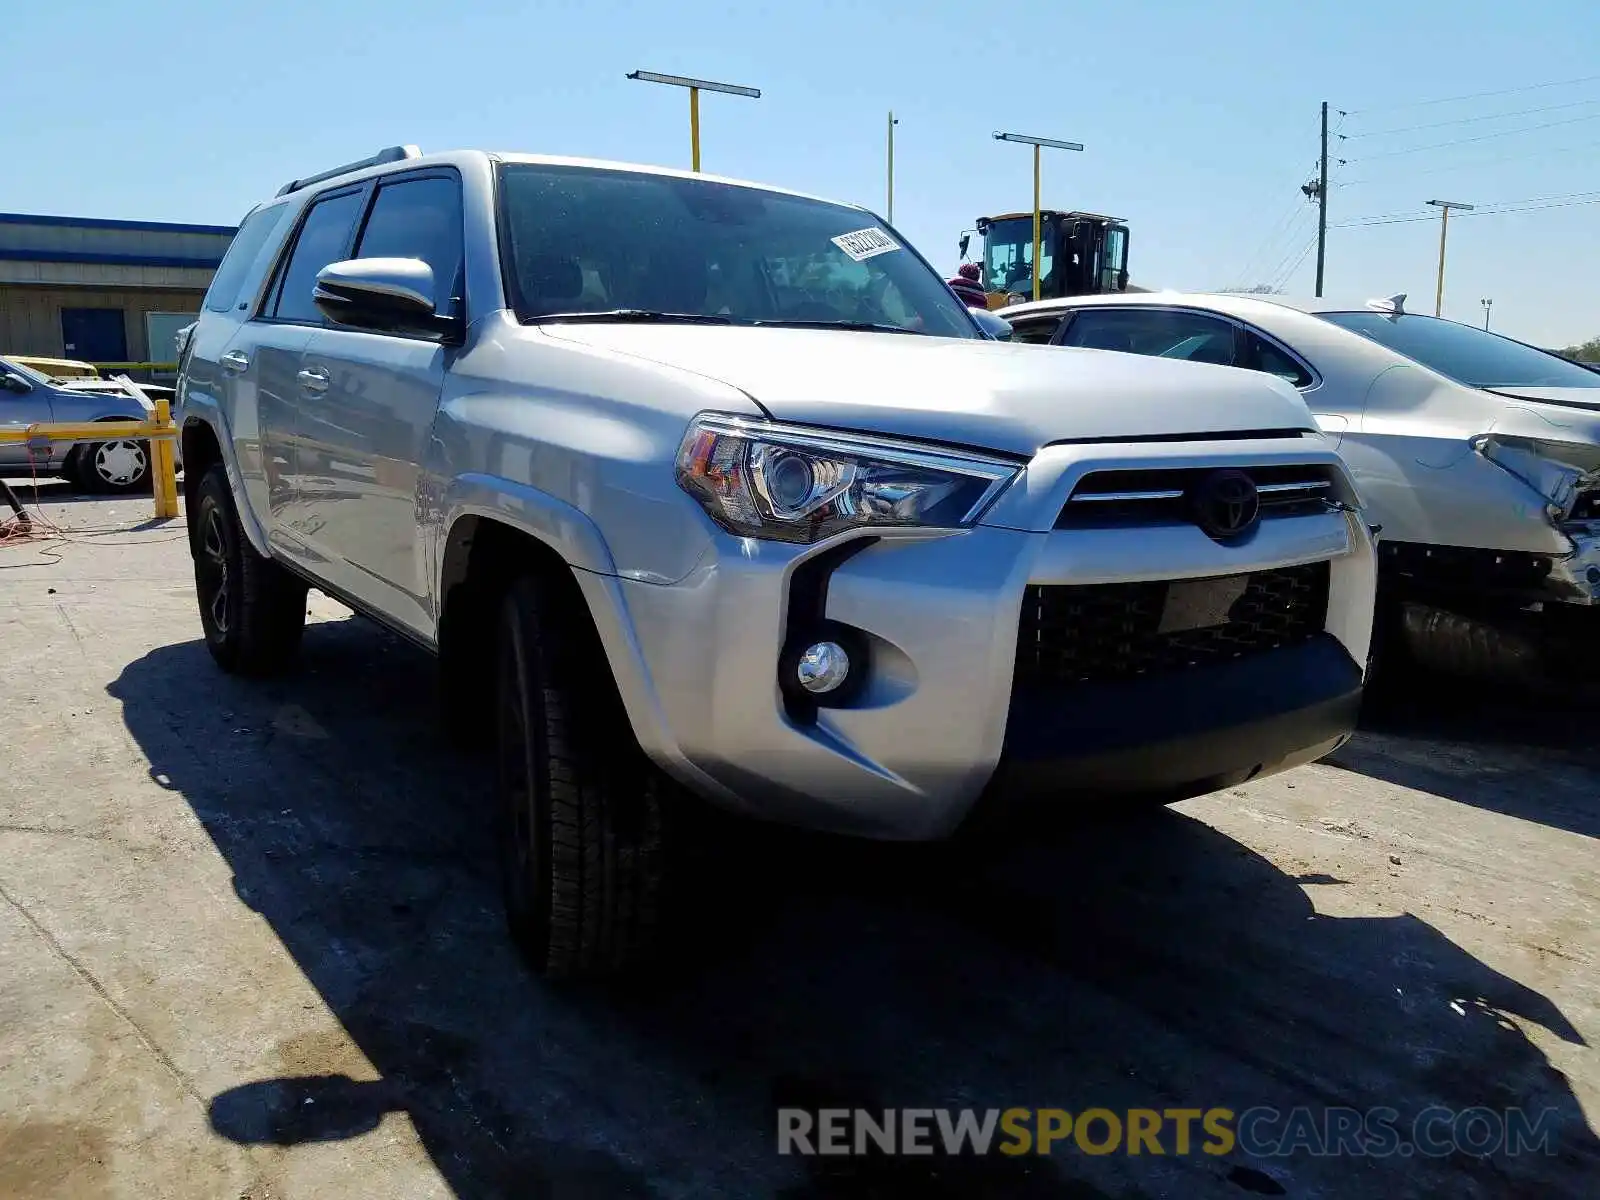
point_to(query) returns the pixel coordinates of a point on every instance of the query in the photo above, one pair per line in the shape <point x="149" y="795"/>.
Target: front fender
<point x="203" y="411"/>
<point x="565" y="529"/>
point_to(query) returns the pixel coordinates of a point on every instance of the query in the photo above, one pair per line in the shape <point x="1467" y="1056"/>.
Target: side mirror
<point x="996" y="327"/>
<point x="966" y="240"/>
<point x="386" y="295"/>
<point x="12" y="382"/>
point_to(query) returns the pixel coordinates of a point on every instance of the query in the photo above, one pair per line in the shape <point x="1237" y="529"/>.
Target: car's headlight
<point x="1566" y="474"/>
<point x="792" y="484"/>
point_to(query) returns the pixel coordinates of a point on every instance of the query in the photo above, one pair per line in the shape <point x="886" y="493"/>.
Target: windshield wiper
<point x="639" y="315"/>
<point x="866" y="326"/>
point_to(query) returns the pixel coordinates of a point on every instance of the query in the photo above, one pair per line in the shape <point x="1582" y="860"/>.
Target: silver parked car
<point x="1478" y="455"/>
<point x="696" y="483"/>
<point x="30" y="398"/>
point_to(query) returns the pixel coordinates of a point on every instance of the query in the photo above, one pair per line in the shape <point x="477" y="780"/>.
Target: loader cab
<point x="1080" y="254"/>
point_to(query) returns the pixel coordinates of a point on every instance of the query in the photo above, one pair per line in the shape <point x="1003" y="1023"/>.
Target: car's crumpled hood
<point x="1008" y="397"/>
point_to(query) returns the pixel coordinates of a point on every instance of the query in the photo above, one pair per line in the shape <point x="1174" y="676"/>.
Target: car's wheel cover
<point x="120" y="463"/>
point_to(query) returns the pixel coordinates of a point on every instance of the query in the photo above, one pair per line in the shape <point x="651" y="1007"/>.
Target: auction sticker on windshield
<point x="864" y="243"/>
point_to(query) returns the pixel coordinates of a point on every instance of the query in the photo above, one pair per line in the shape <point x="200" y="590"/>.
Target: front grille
<point x="1096" y="632"/>
<point x="1160" y="495"/>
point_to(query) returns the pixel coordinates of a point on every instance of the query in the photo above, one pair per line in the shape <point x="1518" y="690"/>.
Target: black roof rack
<point x="387" y="155"/>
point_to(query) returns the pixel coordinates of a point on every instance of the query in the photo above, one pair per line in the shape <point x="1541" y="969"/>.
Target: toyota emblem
<point x="1225" y="504"/>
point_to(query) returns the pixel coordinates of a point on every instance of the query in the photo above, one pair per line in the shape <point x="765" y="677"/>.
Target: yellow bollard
<point x="163" y="472"/>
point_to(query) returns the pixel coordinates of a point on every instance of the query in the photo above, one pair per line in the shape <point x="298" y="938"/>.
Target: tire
<point x="253" y="610"/>
<point x="119" y="466"/>
<point x="581" y="844"/>
<point x="1470" y="649"/>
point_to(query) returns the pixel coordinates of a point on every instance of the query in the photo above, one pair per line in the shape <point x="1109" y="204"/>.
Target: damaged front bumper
<point x="1575" y="579"/>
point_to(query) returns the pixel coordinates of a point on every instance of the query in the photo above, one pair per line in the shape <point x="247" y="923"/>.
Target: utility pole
<point x="1322" y="201"/>
<point x="1444" y="207"/>
<point x="1487" y="305"/>
<point x="892" y="124"/>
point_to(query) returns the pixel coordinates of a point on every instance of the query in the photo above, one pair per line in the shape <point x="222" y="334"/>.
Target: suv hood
<point x="1013" y="398"/>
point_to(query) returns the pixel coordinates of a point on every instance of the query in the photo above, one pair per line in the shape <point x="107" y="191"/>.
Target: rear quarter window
<point x="1465" y="353"/>
<point x="242" y="254"/>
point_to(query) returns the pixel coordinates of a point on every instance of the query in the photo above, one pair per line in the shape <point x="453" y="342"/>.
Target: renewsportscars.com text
<point x="1260" y="1131"/>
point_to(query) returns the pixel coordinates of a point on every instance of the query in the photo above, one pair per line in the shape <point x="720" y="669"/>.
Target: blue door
<point x="94" y="334"/>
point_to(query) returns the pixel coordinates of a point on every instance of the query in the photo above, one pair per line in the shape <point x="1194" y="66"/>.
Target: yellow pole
<point x="694" y="127"/>
<point x="162" y="462"/>
<point x="1444" y="228"/>
<point x="891" y="166"/>
<point x="1036" y="222"/>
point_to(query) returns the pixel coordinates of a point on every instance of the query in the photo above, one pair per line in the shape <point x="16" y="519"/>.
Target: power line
<point x="1283" y="277"/>
<point x="1265" y="248"/>
<point x="1480" y="163"/>
<point x="1521" y="112"/>
<point x="1532" y="204"/>
<point x="1482" y="137"/>
<point x="1288" y="274"/>
<point x="1281" y="247"/>
<point x="1268" y="245"/>
<point x="1532" y="87"/>
<point x="1291" y="259"/>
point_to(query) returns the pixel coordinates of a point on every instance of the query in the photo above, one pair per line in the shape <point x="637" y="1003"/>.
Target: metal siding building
<point x="101" y="290"/>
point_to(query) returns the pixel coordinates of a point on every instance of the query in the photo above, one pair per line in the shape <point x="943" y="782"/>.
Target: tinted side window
<point x="223" y="293"/>
<point x="322" y="240"/>
<point x="1036" y="330"/>
<point x="1262" y="355"/>
<point x="419" y="218"/>
<point x="1158" y="332"/>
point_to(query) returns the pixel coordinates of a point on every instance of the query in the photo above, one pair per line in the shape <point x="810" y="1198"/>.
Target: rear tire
<point x="253" y="610"/>
<point x="581" y="847"/>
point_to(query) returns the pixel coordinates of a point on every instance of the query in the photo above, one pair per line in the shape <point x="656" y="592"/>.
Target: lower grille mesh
<point x="1084" y="634"/>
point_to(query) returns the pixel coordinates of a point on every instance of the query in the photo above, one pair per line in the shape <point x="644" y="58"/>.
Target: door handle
<point x="313" y="380"/>
<point x="235" y="361"/>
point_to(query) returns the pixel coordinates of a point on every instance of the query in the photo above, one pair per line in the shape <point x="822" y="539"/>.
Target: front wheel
<point x="581" y="804"/>
<point x="253" y="611"/>
<point x="120" y="466"/>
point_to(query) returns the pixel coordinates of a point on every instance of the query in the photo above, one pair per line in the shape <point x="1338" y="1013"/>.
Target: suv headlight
<point x="792" y="484"/>
<point x="1566" y="474"/>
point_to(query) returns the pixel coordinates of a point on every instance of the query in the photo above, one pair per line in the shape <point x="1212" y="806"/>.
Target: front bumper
<point x="1186" y="733"/>
<point x="939" y="722"/>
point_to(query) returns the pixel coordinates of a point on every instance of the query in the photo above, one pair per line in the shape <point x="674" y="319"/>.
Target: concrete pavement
<point x="250" y="946"/>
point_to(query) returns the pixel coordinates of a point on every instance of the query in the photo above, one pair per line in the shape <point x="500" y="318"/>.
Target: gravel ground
<point x="250" y="947"/>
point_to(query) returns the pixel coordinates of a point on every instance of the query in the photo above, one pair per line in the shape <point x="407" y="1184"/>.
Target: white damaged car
<point x="1477" y="455"/>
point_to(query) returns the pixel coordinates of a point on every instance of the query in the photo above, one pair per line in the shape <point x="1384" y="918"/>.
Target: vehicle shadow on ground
<point x="1146" y="962"/>
<point x="1485" y="746"/>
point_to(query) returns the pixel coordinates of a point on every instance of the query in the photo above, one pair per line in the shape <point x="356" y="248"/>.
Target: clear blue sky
<point x="1200" y="118"/>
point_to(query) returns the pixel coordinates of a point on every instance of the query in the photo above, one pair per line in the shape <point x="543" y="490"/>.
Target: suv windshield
<point x="631" y="245"/>
<point x="1465" y="353"/>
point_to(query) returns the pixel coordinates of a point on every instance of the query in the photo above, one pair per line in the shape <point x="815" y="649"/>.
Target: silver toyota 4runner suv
<point x="695" y="483"/>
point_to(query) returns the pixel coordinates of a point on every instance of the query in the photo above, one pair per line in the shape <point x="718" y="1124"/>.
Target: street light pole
<point x="1444" y="207"/>
<point x="1487" y="305"/>
<point x="695" y="86"/>
<point x="892" y="124"/>
<point x="1037" y="143"/>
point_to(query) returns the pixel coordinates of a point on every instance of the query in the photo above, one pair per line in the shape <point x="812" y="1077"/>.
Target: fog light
<point x="822" y="667"/>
